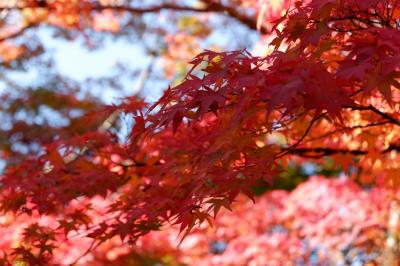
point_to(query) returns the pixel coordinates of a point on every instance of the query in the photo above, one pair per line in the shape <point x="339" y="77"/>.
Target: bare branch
<point x="293" y="147"/>
<point x="321" y="152"/>
<point x="17" y="33"/>
<point x="208" y="7"/>
<point x="387" y="116"/>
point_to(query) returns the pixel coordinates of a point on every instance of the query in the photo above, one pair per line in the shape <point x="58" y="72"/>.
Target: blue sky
<point x="76" y="61"/>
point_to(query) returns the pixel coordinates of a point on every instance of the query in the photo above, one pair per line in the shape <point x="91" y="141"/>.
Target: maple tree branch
<point x="347" y="129"/>
<point x="209" y="7"/>
<point x="293" y="147"/>
<point x="234" y="13"/>
<point x="319" y="152"/>
<point x="17" y="33"/>
<point x="150" y="9"/>
<point x="377" y="111"/>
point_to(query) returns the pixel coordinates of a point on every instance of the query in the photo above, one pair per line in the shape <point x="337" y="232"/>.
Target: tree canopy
<point x="324" y="87"/>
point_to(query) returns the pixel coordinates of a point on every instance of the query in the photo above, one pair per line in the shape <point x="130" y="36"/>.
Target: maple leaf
<point x="123" y="230"/>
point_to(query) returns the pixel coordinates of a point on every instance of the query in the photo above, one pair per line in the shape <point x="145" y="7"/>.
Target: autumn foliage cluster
<point x="322" y="222"/>
<point x="325" y="87"/>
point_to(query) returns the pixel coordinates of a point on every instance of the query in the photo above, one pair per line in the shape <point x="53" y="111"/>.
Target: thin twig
<point x="288" y="150"/>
